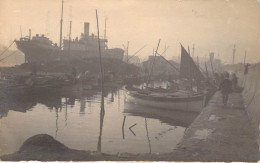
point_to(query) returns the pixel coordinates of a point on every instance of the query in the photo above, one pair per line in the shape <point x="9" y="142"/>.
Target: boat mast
<point x="210" y="58"/>
<point x="234" y="51"/>
<point x="70" y="37"/>
<point x="105" y="31"/>
<point x="127" y="52"/>
<point x="245" y="58"/>
<point x="193" y="49"/>
<point x="61" y="21"/>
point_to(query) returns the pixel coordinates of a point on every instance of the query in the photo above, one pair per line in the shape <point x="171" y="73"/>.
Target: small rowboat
<point x="178" y="100"/>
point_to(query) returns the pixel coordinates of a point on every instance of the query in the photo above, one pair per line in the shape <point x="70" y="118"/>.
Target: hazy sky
<point x="214" y="25"/>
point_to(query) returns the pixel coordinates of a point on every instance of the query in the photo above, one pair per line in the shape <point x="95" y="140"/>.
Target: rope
<point x="8" y="56"/>
<point x="6" y="49"/>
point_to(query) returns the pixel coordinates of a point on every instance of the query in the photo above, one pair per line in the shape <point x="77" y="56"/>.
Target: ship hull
<point x="35" y="53"/>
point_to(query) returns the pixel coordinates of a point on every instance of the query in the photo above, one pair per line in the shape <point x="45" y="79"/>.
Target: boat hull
<point x="189" y="104"/>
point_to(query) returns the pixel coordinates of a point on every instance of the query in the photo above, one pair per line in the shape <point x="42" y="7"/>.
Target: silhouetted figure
<point x="246" y="69"/>
<point x="216" y="78"/>
<point x="225" y="88"/>
<point x="234" y="81"/>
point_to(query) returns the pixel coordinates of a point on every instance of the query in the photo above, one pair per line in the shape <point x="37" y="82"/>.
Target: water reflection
<point x="175" y="118"/>
<point x="78" y="120"/>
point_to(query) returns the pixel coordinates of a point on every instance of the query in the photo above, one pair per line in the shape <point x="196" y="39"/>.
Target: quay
<point x="219" y="133"/>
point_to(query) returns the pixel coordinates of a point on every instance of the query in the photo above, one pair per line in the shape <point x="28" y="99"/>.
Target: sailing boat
<point x="183" y="100"/>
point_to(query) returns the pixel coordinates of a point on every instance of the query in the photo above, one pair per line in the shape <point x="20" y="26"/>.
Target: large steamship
<point x="41" y="49"/>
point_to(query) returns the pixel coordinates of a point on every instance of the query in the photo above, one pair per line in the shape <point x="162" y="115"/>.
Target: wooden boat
<point x="179" y="100"/>
<point x="184" y="100"/>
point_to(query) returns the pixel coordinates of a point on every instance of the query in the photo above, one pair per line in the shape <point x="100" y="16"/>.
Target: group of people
<point x="227" y="85"/>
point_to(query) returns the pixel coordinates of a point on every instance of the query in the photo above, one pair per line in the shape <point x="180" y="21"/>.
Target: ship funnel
<point x="29" y="34"/>
<point x="86" y="30"/>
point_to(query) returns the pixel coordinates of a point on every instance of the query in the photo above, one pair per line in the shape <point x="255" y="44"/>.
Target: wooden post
<point x="123" y="128"/>
<point x="147" y="135"/>
<point x="102" y="109"/>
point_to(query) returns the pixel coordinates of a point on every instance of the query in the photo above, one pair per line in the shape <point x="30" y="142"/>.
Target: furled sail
<point x="188" y="69"/>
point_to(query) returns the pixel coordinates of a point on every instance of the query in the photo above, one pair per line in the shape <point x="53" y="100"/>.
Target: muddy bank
<point x="44" y="147"/>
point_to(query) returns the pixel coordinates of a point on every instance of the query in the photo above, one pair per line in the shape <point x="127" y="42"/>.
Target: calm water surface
<point x="74" y="120"/>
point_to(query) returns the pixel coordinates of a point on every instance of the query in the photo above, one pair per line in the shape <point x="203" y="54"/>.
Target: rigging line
<point x="169" y="63"/>
<point x="8" y="56"/>
<point x="164" y="50"/>
<point x="136" y="52"/>
<point x="6" y="49"/>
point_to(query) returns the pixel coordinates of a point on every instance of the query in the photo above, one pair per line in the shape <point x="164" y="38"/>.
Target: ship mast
<point x="70" y="37"/>
<point x="61" y="21"/>
<point x="105" y="31"/>
<point x="234" y="52"/>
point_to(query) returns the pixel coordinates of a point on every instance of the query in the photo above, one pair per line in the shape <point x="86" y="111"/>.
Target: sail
<point x="188" y="69"/>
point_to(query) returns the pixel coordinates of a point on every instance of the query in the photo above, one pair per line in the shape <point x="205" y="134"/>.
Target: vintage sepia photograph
<point x="130" y="80"/>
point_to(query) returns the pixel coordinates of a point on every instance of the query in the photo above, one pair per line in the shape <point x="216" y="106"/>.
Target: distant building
<point x="161" y="67"/>
<point x="133" y="60"/>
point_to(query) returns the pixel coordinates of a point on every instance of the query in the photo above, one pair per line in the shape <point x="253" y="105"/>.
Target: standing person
<point x="246" y="68"/>
<point x="234" y="81"/>
<point x="225" y="88"/>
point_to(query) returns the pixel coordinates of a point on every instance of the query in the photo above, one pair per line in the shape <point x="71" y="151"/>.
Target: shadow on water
<point x="52" y="100"/>
<point x="174" y="118"/>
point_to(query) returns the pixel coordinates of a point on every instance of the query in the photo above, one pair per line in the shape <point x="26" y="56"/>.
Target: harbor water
<point x="74" y="119"/>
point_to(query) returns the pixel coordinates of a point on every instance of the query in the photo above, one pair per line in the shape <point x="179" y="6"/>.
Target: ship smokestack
<point x="29" y="34"/>
<point x="86" y="30"/>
